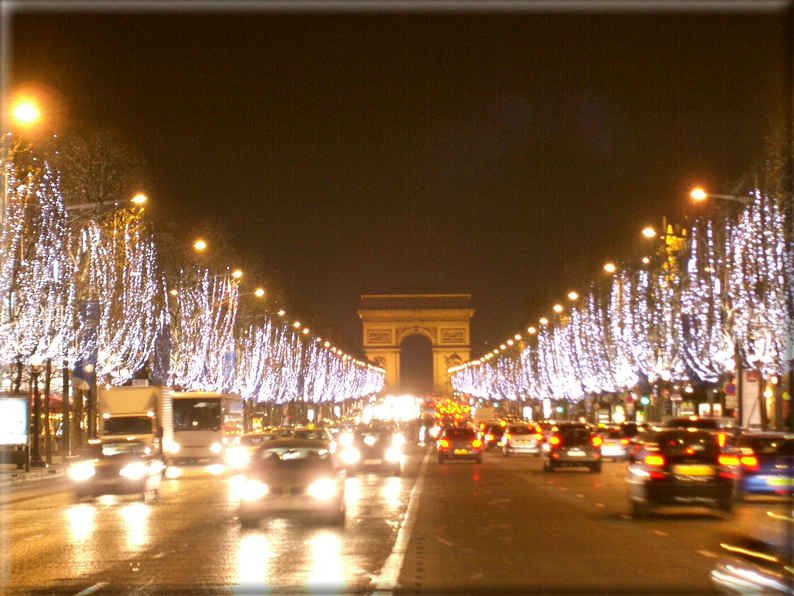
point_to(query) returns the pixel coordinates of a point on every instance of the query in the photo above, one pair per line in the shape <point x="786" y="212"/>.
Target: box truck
<point x="143" y="413"/>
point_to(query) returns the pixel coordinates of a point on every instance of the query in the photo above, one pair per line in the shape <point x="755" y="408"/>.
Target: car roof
<point x="296" y="443"/>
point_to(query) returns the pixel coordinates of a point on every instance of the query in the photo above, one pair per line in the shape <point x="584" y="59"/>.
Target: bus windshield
<point x="197" y="414"/>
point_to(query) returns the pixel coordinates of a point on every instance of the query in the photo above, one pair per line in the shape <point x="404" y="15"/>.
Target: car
<point x="766" y="464"/>
<point x="116" y="467"/>
<point x="372" y="448"/>
<point x="615" y="442"/>
<point x="725" y="427"/>
<point x="292" y="478"/>
<point x="238" y="453"/>
<point x="680" y="467"/>
<point x="572" y="444"/>
<point x="521" y="438"/>
<point x="491" y="434"/>
<point x="459" y="443"/>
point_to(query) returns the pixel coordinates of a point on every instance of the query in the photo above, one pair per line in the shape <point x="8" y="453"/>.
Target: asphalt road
<point x="503" y="527"/>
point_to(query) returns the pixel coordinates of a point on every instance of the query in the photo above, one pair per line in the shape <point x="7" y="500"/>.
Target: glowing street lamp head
<point x="610" y="268"/>
<point x="698" y="194"/>
<point x="649" y="232"/>
<point x="558" y="308"/>
<point x="573" y="296"/>
<point x="531" y="330"/>
<point x="26" y="113"/>
<point x="139" y="199"/>
<point x="200" y="245"/>
<point x="544" y="321"/>
<point x="237" y="274"/>
<point x="259" y="292"/>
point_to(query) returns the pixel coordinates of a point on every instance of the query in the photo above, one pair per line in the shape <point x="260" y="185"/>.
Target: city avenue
<point x="501" y="527"/>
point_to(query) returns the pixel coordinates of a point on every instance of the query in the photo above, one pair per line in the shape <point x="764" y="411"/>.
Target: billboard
<point x="13" y="421"/>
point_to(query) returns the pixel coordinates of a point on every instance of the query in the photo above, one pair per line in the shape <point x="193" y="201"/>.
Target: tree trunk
<point x="47" y="431"/>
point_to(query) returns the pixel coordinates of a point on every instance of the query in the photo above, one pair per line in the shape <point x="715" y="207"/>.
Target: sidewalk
<point x="9" y="475"/>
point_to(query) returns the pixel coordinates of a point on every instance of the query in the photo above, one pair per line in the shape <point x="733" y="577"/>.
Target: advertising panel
<point x="13" y="421"/>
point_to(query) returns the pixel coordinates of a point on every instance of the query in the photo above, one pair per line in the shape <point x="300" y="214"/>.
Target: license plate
<point x="576" y="453"/>
<point x="372" y="462"/>
<point x="690" y="470"/>
<point x="781" y="481"/>
<point x="461" y="451"/>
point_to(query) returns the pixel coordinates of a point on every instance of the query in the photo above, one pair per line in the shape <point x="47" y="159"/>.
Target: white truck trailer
<point x="143" y="413"/>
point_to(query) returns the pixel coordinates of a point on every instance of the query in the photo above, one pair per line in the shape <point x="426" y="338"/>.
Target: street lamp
<point x="138" y="199"/>
<point x="610" y="268"/>
<point x="699" y="194"/>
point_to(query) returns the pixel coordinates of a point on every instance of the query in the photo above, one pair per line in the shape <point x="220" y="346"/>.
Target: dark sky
<point x="506" y="155"/>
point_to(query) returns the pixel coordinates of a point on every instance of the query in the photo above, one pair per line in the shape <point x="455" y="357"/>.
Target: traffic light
<point x="645" y="400"/>
<point x="560" y="409"/>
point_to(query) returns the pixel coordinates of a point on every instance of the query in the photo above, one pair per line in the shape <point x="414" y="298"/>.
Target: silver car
<point x="522" y="439"/>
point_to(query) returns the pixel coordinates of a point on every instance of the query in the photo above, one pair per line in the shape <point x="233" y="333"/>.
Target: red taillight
<point x="555" y="440"/>
<point x="489" y="437"/>
<point x="443" y="443"/>
<point x="625" y="441"/>
<point x="539" y="437"/>
<point x="597" y="441"/>
<point x="749" y="461"/>
<point x="721" y="439"/>
<point x="476" y="443"/>
<point x="728" y="460"/>
<point x="508" y="436"/>
<point x="654" y="460"/>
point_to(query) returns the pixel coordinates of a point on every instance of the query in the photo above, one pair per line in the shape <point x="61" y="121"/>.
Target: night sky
<point x="505" y="155"/>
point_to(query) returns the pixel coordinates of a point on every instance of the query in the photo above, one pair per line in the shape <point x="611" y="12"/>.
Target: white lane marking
<point x="600" y="505"/>
<point x="626" y="516"/>
<point x="92" y="589"/>
<point x="390" y="573"/>
<point x="707" y="554"/>
<point x="660" y="533"/>
<point x="580" y="496"/>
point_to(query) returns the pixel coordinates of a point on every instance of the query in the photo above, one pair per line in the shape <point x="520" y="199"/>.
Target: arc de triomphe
<point x="389" y="319"/>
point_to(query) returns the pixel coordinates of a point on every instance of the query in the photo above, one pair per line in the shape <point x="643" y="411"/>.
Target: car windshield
<point x="310" y="434"/>
<point x="677" y="447"/>
<point x="708" y="423"/>
<point x="115" y="448"/>
<point x="574" y="434"/>
<point x="521" y="430"/>
<point x="459" y="433"/>
<point x="255" y="439"/>
<point x="294" y="457"/>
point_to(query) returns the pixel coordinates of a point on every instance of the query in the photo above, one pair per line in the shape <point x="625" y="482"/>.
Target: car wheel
<point x="441" y="459"/>
<point x="149" y="496"/>
<point x="726" y="506"/>
<point x="478" y="459"/>
<point x="640" y="509"/>
<point x="396" y="471"/>
<point x="507" y="453"/>
<point x="548" y="466"/>
<point x="596" y="468"/>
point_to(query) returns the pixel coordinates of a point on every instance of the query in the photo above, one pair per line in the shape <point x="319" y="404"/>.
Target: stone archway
<point x="441" y="318"/>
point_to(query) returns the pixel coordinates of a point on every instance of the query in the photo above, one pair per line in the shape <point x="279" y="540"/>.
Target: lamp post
<point x="35" y="451"/>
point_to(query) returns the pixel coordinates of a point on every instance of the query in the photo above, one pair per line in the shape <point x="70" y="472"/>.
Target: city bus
<point x="204" y="423"/>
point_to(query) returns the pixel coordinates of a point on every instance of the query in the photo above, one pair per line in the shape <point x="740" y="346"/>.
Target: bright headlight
<point x="398" y="440"/>
<point x="252" y="490"/>
<point x="323" y="490"/>
<point x="345" y="439"/>
<point x="237" y="457"/>
<point x="216" y="447"/>
<point x="350" y="455"/>
<point x="134" y="471"/>
<point x="393" y="454"/>
<point x="81" y="471"/>
<point x="173" y="448"/>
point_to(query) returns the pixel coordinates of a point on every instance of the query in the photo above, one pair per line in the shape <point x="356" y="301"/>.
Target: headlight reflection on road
<point x="81" y="522"/>
<point x="253" y="565"/>
<point x="391" y="493"/>
<point x="135" y="518"/>
<point x="328" y="568"/>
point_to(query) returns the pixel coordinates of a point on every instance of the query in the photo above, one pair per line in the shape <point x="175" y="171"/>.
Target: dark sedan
<point x="459" y="443"/>
<point x="766" y="463"/>
<point x="682" y="467"/>
<point x="116" y="467"/>
<point x="375" y="448"/>
<point x="572" y="444"/>
<point x="292" y="477"/>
